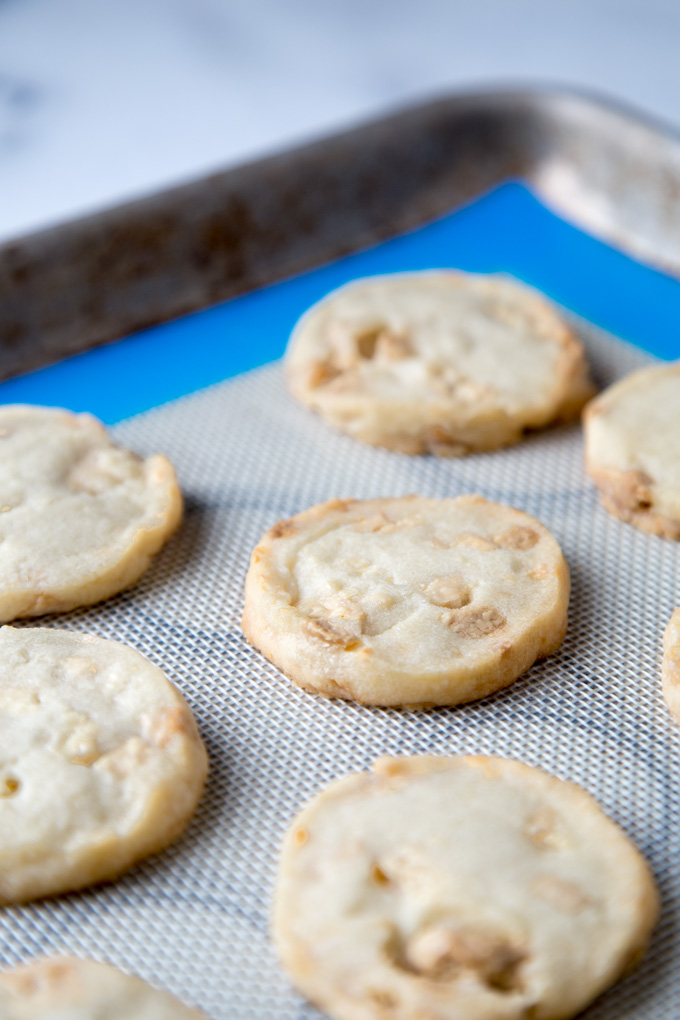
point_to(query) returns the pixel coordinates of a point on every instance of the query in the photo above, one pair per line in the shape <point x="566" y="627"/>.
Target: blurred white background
<point x="103" y="100"/>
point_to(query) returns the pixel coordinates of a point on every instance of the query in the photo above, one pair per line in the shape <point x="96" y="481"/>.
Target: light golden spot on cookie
<point x="85" y="759"/>
<point x="383" y="999"/>
<point x="29" y="981"/>
<point x="441" y="953"/>
<point x="441" y="443"/>
<point x="518" y="538"/>
<point x="561" y="894"/>
<point x="378" y="875"/>
<point x="540" y="573"/>
<point x="4" y="509"/>
<point x="489" y="767"/>
<point x="282" y="529"/>
<point x="382" y="523"/>
<point x="356" y="565"/>
<point x="19" y="702"/>
<point x="348" y="381"/>
<point x="9" y="785"/>
<point x="393" y="346"/>
<point x="337" y="690"/>
<point x="439" y="543"/>
<point x="403" y="525"/>
<point x="80" y="744"/>
<point x="449" y="592"/>
<point x="474" y="392"/>
<point x="540" y="830"/>
<point x="343" y="607"/>
<point x="477" y="622"/>
<point x="383" y="342"/>
<point x="635" y="492"/>
<point x="78" y="667"/>
<point x="166" y="724"/>
<point x="376" y="522"/>
<point x="392" y="767"/>
<point x="367" y="340"/>
<point x="470" y="541"/>
<point x="300" y="836"/>
<point x="125" y="759"/>
<point x="377" y="600"/>
<point x="320" y="373"/>
<point x="330" y="632"/>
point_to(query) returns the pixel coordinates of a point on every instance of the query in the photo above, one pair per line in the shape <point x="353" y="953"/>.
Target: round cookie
<point x="632" y="436"/>
<point x="463" y="888"/>
<point x="80" y="518"/>
<point x="67" y="988"/>
<point x="670" y="666"/>
<point x="437" y="362"/>
<point x="407" y="602"/>
<point x="101" y="762"/>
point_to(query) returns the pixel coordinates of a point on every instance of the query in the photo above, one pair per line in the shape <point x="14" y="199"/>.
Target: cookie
<point x="66" y="988"/>
<point x="407" y="602"/>
<point x="101" y="763"/>
<point x="632" y="435"/>
<point x="80" y="518"/>
<point x="670" y="667"/>
<point x="464" y="888"/>
<point x="437" y="362"/>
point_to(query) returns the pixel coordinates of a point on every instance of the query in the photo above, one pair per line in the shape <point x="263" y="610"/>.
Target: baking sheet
<point x="195" y="918"/>
<point x="606" y="168"/>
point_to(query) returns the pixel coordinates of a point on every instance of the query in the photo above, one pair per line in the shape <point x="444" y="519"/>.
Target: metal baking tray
<point x="435" y="181"/>
<point x="94" y="280"/>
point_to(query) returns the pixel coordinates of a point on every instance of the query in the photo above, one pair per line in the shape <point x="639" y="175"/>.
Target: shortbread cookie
<point x="670" y="667"/>
<point x="410" y="601"/>
<point x="464" y="888"/>
<point x="437" y="362"/>
<point x="66" y="988"/>
<point x="80" y="518"/>
<point x="101" y="763"/>
<point x="632" y="434"/>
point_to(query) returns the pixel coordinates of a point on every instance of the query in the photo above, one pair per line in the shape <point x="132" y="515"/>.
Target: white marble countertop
<point x="103" y="101"/>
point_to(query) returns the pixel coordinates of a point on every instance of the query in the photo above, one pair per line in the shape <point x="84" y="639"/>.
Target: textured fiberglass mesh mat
<point x="195" y="918"/>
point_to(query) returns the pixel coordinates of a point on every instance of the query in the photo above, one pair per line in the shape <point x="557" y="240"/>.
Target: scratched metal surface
<point x="608" y="169"/>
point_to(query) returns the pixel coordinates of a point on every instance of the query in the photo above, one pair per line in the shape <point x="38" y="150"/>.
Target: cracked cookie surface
<point x="101" y="762"/>
<point x="408" y="601"/>
<point x="67" y="988"/>
<point x="80" y="518"/>
<point x="437" y="362"/>
<point x="462" y="888"/>
<point x="632" y="437"/>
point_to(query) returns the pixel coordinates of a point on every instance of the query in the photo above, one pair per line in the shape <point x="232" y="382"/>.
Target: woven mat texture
<point x="195" y="918"/>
